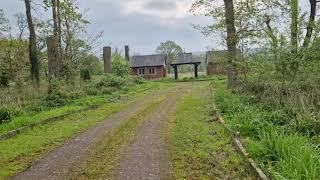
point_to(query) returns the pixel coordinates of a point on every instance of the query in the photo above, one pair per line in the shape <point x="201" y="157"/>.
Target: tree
<point x="33" y="53"/>
<point x="5" y="27"/>
<point x="21" y="24"/>
<point x="231" y="43"/>
<point x="170" y="49"/>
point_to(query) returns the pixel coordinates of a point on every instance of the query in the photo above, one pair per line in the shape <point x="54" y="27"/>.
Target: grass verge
<point x="201" y="148"/>
<point x="108" y="152"/>
<point x="82" y="103"/>
<point x="280" y="151"/>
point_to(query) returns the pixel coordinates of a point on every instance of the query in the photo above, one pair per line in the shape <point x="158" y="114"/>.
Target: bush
<point x="4" y="80"/>
<point x="110" y="81"/>
<point x="6" y="115"/>
<point x="85" y="74"/>
<point x="137" y="80"/>
<point x="120" y="67"/>
<point x="56" y="96"/>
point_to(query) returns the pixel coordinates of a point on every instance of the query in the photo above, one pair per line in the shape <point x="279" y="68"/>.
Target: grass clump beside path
<point x="280" y="150"/>
<point x="201" y="148"/>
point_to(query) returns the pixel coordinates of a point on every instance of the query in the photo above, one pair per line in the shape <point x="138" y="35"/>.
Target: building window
<point x="151" y="71"/>
<point x="141" y="71"/>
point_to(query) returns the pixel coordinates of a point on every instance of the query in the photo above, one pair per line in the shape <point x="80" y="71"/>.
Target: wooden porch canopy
<point x="183" y="59"/>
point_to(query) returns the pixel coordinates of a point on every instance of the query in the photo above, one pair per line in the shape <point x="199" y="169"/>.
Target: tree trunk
<point x="33" y="54"/>
<point x="310" y="27"/>
<point x="231" y="43"/>
<point x="57" y="33"/>
<point x="59" y="21"/>
<point x="294" y="26"/>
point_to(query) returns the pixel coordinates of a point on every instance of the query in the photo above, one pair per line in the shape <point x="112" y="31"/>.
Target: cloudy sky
<point x="142" y="24"/>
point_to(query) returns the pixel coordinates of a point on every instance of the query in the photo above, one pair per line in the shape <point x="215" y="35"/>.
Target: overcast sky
<point x="142" y="24"/>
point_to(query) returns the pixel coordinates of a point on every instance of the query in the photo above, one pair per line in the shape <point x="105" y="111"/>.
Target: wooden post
<point x="53" y="62"/>
<point x="196" y="70"/>
<point x="176" y="76"/>
<point x="107" y="60"/>
<point x="127" y="53"/>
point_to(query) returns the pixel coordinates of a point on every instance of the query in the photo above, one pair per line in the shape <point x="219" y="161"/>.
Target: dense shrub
<point x="85" y="74"/>
<point x="56" y="96"/>
<point x="110" y="81"/>
<point x="137" y="80"/>
<point x="7" y="114"/>
<point x="4" y="80"/>
<point x="120" y="67"/>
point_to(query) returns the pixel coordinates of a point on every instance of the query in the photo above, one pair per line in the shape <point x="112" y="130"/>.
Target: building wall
<point x="215" y="68"/>
<point x="160" y="72"/>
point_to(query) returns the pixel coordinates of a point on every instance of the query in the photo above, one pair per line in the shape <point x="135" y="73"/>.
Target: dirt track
<point x="146" y="158"/>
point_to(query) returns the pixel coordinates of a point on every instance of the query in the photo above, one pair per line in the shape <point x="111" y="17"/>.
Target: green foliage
<point x="56" y="95"/>
<point x="137" y="79"/>
<point x="4" y="80"/>
<point x="91" y="63"/>
<point x="14" y="62"/>
<point x="85" y="74"/>
<point x="275" y="137"/>
<point x="170" y="49"/>
<point x="288" y="156"/>
<point x="120" y="67"/>
<point x="7" y="114"/>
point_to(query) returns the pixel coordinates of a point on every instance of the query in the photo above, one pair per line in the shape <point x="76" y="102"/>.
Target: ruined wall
<point x="215" y="68"/>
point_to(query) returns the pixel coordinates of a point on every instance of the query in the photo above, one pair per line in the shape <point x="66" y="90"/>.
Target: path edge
<point x="236" y="141"/>
<point x="22" y="129"/>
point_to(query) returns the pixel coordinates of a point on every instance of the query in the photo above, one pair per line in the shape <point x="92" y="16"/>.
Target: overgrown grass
<point x="202" y="148"/>
<point x="17" y="153"/>
<point x="108" y="152"/>
<point x="282" y="151"/>
<point x="28" y="118"/>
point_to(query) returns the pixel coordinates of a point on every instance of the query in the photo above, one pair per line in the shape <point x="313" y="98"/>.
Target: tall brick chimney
<point x="107" y="60"/>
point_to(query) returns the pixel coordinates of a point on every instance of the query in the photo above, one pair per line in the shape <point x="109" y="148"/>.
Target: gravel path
<point x="58" y="163"/>
<point x="148" y="156"/>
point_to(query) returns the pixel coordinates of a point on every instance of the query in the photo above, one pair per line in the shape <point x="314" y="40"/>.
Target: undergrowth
<point x="283" y="151"/>
<point x="61" y="101"/>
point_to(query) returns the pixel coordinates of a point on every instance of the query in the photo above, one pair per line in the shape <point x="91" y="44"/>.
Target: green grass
<point x="17" y="153"/>
<point x="108" y="152"/>
<point x="78" y="104"/>
<point x="281" y="151"/>
<point x="202" y="148"/>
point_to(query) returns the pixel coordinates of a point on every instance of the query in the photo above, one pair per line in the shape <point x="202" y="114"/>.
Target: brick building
<point x="149" y="66"/>
<point x="216" y="61"/>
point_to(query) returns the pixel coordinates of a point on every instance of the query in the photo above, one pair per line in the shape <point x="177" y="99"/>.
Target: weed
<point x="281" y="144"/>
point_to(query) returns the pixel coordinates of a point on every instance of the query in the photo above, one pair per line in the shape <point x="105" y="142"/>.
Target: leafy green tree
<point x="92" y="64"/>
<point x="120" y="66"/>
<point x="33" y="51"/>
<point x="170" y="49"/>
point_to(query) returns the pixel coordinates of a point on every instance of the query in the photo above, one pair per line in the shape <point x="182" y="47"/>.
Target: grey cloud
<point x="161" y="5"/>
<point x="143" y="33"/>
